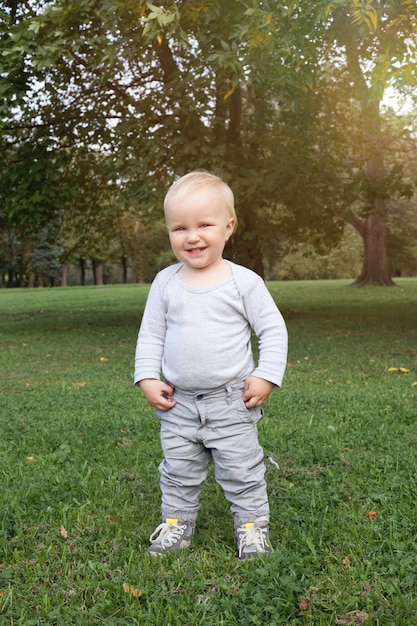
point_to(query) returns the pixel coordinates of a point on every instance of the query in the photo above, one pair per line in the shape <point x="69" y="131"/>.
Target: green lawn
<point x="79" y="452"/>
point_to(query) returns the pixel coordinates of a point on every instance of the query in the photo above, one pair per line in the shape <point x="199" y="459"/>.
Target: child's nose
<point x="193" y="235"/>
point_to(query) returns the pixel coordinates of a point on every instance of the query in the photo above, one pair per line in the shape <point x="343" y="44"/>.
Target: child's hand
<point x="157" y="393"/>
<point x="256" y="391"/>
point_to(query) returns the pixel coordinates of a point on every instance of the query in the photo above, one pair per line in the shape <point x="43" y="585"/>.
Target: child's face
<point x="199" y="226"/>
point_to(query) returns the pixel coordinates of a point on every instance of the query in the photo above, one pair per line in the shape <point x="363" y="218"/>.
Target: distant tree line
<point x="105" y="102"/>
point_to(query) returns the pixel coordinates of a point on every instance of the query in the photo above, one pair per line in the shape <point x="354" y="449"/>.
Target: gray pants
<point x="212" y="425"/>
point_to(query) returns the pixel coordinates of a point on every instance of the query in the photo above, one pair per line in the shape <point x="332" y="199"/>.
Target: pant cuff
<point x="184" y="516"/>
<point x="240" y="520"/>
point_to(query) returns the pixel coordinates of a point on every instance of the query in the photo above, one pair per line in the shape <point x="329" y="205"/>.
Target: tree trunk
<point x="98" y="267"/>
<point x="124" y="269"/>
<point x="82" y="272"/>
<point x="246" y="248"/>
<point x="375" y="269"/>
<point x="375" y="264"/>
<point x="64" y="275"/>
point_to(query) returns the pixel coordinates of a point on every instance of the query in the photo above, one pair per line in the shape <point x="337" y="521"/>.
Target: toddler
<point x="196" y="332"/>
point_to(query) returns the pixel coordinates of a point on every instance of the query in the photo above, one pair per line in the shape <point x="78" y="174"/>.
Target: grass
<point x="79" y="452"/>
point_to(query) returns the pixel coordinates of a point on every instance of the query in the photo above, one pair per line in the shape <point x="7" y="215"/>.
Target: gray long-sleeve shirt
<point x="201" y="338"/>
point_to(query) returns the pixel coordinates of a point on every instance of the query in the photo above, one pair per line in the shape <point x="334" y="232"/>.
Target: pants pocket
<point x="251" y="416"/>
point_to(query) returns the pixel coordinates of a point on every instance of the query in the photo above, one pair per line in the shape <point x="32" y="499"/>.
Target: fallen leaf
<point x="404" y="370"/>
<point x="367" y="588"/>
<point x="130" y="589"/>
<point x="103" y="359"/>
<point x="346" y="561"/>
<point x="126" y="442"/>
<point x="30" y="458"/>
<point x="371" y="514"/>
<point x="414" y="384"/>
<point x="63" y="533"/>
<point x="353" y="617"/>
<point x="304" y="604"/>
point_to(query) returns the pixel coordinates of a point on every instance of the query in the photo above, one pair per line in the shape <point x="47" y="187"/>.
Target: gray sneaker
<point x="253" y="540"/>
<point x="171" y="536"/>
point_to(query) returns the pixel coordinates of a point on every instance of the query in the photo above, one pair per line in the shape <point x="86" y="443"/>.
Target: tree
<point x="353" y="51"/>
<point x="194" y="123"/>
<point x="377" y="41"/>
<point x="31" y="197"/>
<point x="160" y="88"/>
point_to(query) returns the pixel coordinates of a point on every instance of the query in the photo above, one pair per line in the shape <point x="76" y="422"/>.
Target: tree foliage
<point x="106" y="101"/>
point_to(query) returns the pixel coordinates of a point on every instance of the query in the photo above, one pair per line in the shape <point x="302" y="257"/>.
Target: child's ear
<point x="230" y="227"/>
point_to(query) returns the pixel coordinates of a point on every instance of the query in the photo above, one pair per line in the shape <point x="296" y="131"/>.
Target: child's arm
<point x="151" y="337"/>
<point x="268" y="325"/>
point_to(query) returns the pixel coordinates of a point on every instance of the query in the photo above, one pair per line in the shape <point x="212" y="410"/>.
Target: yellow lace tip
<point x="170" y="520"/>
<point x="249" y="525"/>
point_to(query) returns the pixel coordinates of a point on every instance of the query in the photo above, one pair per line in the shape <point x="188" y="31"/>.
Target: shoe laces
<point x="253" y="535"/>
<point x="167" y="533"/>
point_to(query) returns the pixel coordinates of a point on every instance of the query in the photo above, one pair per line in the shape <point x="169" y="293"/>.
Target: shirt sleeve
<point x="151" y="337"/>
<point x="269" y="326"/>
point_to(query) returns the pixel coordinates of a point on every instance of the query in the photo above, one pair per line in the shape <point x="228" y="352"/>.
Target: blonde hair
<point x="196" y="180"/>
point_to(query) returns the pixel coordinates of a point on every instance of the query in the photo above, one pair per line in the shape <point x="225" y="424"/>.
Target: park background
<point x="307" y="109"/>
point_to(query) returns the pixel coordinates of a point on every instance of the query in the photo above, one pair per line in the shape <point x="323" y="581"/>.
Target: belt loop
<point x="229" y="390"/>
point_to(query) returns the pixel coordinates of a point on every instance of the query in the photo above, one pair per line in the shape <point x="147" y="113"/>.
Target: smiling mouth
<point x="196" y="249"/>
